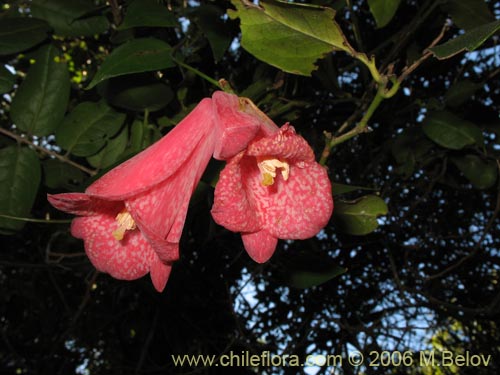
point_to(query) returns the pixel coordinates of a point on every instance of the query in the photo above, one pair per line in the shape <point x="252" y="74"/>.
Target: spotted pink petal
<point x="128" y="259"/>
<point x="232" y="209"/>
<point x="155" y="187"/>
<point x="296" y="208"/>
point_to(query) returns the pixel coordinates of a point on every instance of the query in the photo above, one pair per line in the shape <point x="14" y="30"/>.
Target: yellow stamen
<point x="268" y="168"/>
<point x="125" y="222"/>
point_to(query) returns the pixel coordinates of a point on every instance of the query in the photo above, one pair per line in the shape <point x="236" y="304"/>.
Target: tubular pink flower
<point x="273" y="189"/>
<point x="132" y="217"/>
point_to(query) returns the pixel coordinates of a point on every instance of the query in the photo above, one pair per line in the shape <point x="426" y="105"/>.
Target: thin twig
<point x="47" y="152"/>
<point x="409" y="69"/>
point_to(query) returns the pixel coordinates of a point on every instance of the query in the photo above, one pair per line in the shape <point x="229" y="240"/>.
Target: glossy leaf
<point x="383" y="10"/>
<point x="468" y="14"/>
<point x="19" y="180"/>
<point x="460" y="92"/>
<point x="147" y="13"/>
<point x="288" y="36"/>
<point x="59" y="175"/>
<point x="111" y="152"/>
<point x="135" y="56"/>
<point x="152" y="97"/>
<point x="70" y="18"/>
<point x="88" y="127"/>
<point x="306" y="270"/>
<point x="20" y="33"/>
<point x="450" y="131"/>
<point x="469" y="41"/>
<point x="7" y="80"/>
<point x="359" y="217"/>
<point x="41" y="100"/>
<point x="481" y="173"/>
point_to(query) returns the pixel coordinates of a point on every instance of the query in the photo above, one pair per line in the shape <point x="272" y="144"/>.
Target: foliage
<point x="401" y="113"/>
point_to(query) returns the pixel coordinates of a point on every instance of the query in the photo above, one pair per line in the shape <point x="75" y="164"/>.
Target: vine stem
<point x="62" y="158"/>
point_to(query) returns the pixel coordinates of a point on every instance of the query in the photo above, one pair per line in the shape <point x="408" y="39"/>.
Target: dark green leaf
<point x="136" y="137"/>
<point x="339" y="189"/>
<point x="20" y="33"/>
<point x="450" y="131"/>
<point x="68" y="18"/>
<point x="141" y="13"/>
<point x="305" y="270"/>
<point x="460" y="92"/>
<point x="209" y="20"/>
<point x="88" y="127"/>
<point x="481" y="173"/>
<point x="19" y="180"/>
<point x="111" y="152"/>
<point x="135" y="56"/>
<point x="383" y="10"/>
<point x="359" y="217"/>
<point x="469" y="41"/>
<point x="468" y="14"/>
<point x="40" y="102"/>
<point x="60" y="175"/>
<point x="289" y="36"/>
<point x="7" y="80"/>
<point x="152" y="97"/>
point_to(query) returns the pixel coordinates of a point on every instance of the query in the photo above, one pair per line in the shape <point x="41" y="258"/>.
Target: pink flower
<point x="132" y="217"/>
<point x="273" y="189"/>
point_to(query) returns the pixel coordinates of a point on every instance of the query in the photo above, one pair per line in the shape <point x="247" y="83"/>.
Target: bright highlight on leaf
<point x="469" y="41"/>
<point x="289" y="36"/>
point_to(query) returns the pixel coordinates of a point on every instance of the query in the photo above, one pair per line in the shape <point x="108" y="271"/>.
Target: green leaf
<point x="153" y="96"/>
<point x="288" y="36"/>
<point x="88" y="128"/>
<point x="136" y="137"/>
<point x="305" y="270"/>
<point x="460" y="92"/>
<point x="468" y="14"/>
<point x="69" y="18"/>
<point x="209" y="20"/>
<point x="19" y="180"/>
<point x="59" y="175"/>
<point x="40" y="102"/>
<point x="135" y="56"/>
<point x="111" y="152"/>
<point x="339" y="189"/>
<point x="359" y="217"/>
<point x="481" y="173"/>
<point x="383" y="10"/>
<point x="147" y="13"/>
<point x="7" y="80"/>
<point x="20" y="33"/>
<point x="450" y="131"/>
<point x="469" y="41"/>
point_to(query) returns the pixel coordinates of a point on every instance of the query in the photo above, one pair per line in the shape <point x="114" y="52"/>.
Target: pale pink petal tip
<point x="159" y="273"/>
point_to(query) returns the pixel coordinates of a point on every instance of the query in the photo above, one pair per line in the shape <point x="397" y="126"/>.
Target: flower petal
<point x="160" y="212"/>
<point x="128" y="259"/>
<point x="237" y="121"/>
<point x="159" y="161"/>
<point x="259" y="245"/>
<point x="297" y="208"/>
<point x="231" y="209"/>
<point x="159" y="274"/>
<point x="81" y="204"/>
<point x="285" y="144"/>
